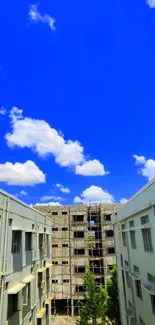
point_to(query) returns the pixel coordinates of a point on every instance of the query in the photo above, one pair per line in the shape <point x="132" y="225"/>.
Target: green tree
<point x="95" y="300"/>
<point x="112" y="305"/>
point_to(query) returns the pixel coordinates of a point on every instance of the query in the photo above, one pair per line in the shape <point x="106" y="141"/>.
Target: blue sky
<point x="77" y="98"/>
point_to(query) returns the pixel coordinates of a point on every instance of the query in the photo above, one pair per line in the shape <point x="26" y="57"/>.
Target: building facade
<point x="25" y="264"/>
<point x="134" y="227"/>
<point x="82" y="237"/>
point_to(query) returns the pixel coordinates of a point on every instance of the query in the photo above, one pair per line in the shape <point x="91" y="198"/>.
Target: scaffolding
<point x="82" y="238"/>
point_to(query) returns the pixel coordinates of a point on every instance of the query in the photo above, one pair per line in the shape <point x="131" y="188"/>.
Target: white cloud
<point x="63" y="189"/>
<point x="151" y="3"/>
<point x="35" y="15"/>
<point x="23" y="193"/>
<point x="40" y="137"/>
<point x="91" y="168"/>
<point x="123" y="200"/>
<point x="26" y="173"/>
<point x="148" y="169"/>
<point x="2" y="111"/>
<point x="46" y="204"/>
<point x="140" y="160"/>
<point x="94" y="194"/>
<point x="48" y="198"/>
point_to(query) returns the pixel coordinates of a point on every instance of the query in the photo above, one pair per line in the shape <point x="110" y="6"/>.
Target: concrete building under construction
<point x="82" y="237"/>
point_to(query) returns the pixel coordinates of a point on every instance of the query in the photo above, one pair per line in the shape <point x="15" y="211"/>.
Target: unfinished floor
<point x="82" y="237"/>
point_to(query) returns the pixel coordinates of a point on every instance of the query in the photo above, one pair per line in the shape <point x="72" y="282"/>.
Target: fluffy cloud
<point x="123" y="200"/>
<point x="51" y="197"/>
<point x="94" y="194"/>
<point x="26" y="173"/>
<point x="46" y="204"/>
<point x="2" y="111"/>
<point x="91" y="168"/>
<point x="63" y="189"/>
<point x="35" y="15"/>
<point x="40" y="137"/>
<point x="151" y="3"/>
<point x="148" y="169"/>
<point x="23" y="193"/>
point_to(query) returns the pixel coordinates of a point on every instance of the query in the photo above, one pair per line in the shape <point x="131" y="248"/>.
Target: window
<point x="79" y="288"/>
<point x="79" y="269"/>
<point x="124" y="239"/>
<point x="79" y="251"/>
<point x="133" y="239"/>
<point x="66" y="281"/>
<point x="64" y="262"/>
<point x="6" y="286"/>
<point x="25" y="295"/>
<point x="141" y="321"/>
<point x="109" y="233"/>
<point x="138" y="289"/>
<point x="64" y="213"/>
<point x="55" y="262"/>
<point x="55" y="245"/>
<point x="78" y="234"/>
<point x="147" y="240"/>
<point x="107" y="217"/>
<point x="78" y="218"/>
<point x="131" y="223"/>
<point x="110" y="267"/>
<point x="54" y="213"/>
<point x="16" y="241"/>
<point x="12" y="304"/>
<point x="128" y="280"/>
<point x="153" y="303"/>
<point x="111" y="250"/>
<point x="10" y="222"/>
<point x="54" y="281"/>
<point x="41" y="241"/>
<point x="151" y="279"/>
<point x="136" y="269"/>
<point x="54" y="229"/>
<point x="123" y="226"/>
<point x="64" y="229"/>
<point x="64" y="245"/>
<point x="28" y="241"/>
<point x="144" y="220"/>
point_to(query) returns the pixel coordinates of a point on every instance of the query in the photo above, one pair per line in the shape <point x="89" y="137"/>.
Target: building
<point x="82" y="237"/>
<point x="25" y="264"/>
<point x="134" y="227"/>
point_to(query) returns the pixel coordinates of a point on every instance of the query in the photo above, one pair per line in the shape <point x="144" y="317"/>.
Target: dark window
<point x="55" y="262"/>
<point x="80" y="288"/>
<point x="110" y="267"/>
<point x="133" y="239"/>
<point x="16" y="241"/>
<point x="41" y="241"/>
<point x="54" y="213"/>
<point x="64" y="245"/>
<point x="78" y="234"/>
<point x="124" y="239"/>
<point x="10" y="222"/>
<point x="80" y="251"/>
<point x="28" y="241"/>
<point x="128" y="280"/>
<point x="66" y="281"/>
<point x="144" y="220"/>
<point x="111" y="250"/>
<point x="123" y="226"/>
<point x="147" y="240"/>
<point x="153" y="303"/>
<point x="64" y="262"/>
<point x="121" y="259"/>
<point x="12" y="305"/>
<point x="107" y="217"/>
<point x="131" y="223"/>
<point x="64" y="213"/>
<point x="78" y="218"/>
<point x="79" y="269"/>
<point x="54" y="281"/>
<point x="64" y="229"/>
<point x="54" y="229"/>
<point x="55" y="245"/>
<point x="138" y="289"/>
<point x="109" y="233"/>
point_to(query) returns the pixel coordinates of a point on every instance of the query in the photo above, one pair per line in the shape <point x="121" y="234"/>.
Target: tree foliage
<point x="95" y="298"/>
<point x="112" y="305"/>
